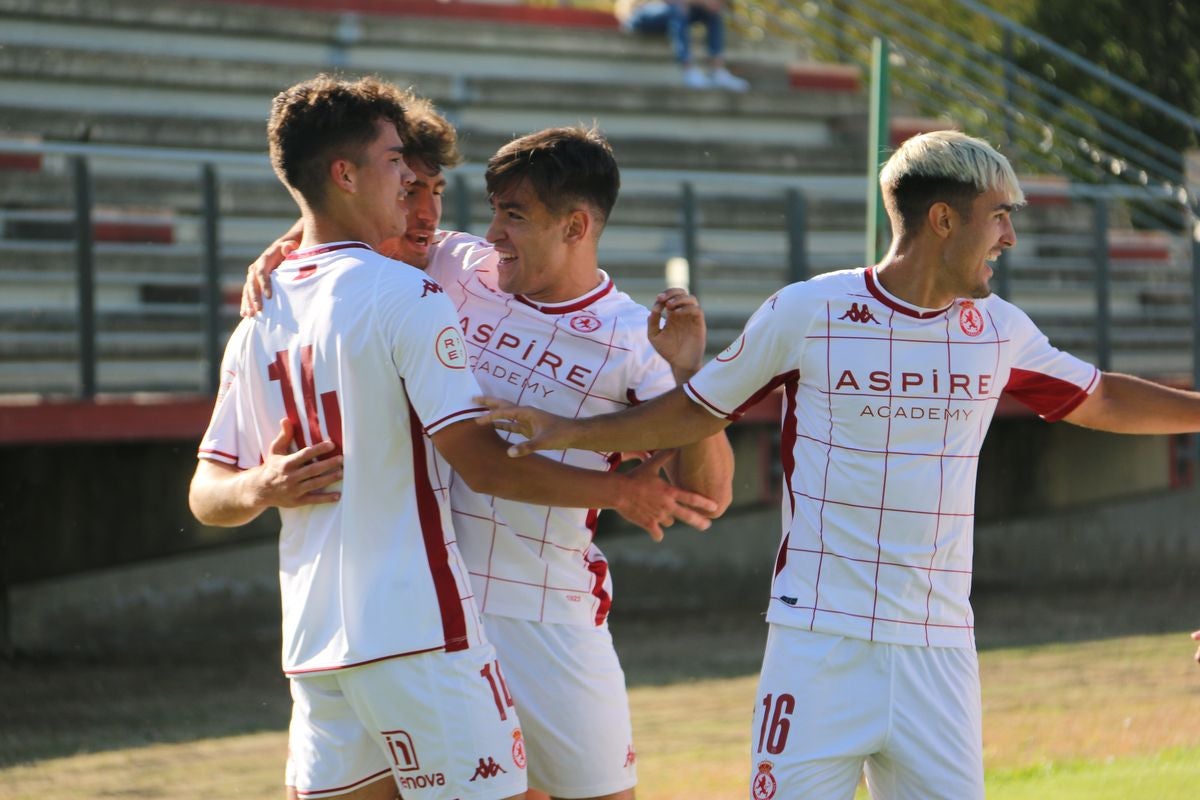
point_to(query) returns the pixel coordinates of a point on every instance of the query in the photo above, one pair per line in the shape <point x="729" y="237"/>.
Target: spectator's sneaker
<point x="724" y="79"/>
<point x="694" y="78"/>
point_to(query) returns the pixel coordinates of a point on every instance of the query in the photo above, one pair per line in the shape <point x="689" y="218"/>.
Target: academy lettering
<point x="505" y="373"/>
<point x="917" y="412"/>
<point x="931" y="382"/>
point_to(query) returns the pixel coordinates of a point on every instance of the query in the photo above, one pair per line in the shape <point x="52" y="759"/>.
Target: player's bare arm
<point x="258" y="274"/>
<point x="1125" y="404"/>
<point x="478" y="456"/>
<point x="225" y="496"/>
<point x="1196" y="638"/>
<point x="669" y="420"/>
<point x="677" y="331"/>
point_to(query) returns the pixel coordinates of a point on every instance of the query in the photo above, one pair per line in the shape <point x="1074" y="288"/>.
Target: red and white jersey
<point x="579" y="358"/>
<point x="886" y="407"/>
<point x="366" y="352"/>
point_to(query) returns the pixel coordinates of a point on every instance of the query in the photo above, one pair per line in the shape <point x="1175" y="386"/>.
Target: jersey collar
<point x="895" y="303"/>
<point x="578" y="304"/>
<point x="322" y="249"/>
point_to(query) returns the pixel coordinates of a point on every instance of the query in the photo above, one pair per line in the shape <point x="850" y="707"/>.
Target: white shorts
<point x="442" y="724"/>
<point x="570" y="690"/>
<point x="828" y="704"/>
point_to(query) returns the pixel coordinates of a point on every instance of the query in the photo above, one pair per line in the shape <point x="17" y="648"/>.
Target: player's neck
<point x="325" y="228"/>
<point x="912" y="274"/>
<point x="574" y="283"/>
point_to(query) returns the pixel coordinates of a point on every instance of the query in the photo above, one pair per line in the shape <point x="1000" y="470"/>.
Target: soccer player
<point x="545" y="324"/>
<point x="891" y="375"/>
<point x="393" y="680"/>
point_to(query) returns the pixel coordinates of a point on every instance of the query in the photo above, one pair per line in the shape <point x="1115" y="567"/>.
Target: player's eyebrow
<point x="1009" y="207"/>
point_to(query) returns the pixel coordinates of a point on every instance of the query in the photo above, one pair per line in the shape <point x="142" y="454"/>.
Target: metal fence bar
<point x="687" y="201"/>
<point x="877" y="144"/>
<point x="212" y="276"/>
<point x="85" y="266"/>
<point x="1102" y="280"/>
<point x="797" y="233"/>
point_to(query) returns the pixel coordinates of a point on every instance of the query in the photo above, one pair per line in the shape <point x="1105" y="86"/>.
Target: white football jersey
<point x="579" y="358"/>
<point x="886" y="407"/>
<point x="366" y="352"/>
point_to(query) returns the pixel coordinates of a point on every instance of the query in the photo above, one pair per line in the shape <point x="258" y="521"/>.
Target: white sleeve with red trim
<point x="429" y="354"/>
<point x="1049" y="381"/>
<point x="769" y="348"/>
<point x="456" y="254"/>
<point x="226" y="440"/>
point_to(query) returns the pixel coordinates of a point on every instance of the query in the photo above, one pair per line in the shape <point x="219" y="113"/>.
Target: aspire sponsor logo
<point x="529" y="352"/>
<point x="928" y="382"/>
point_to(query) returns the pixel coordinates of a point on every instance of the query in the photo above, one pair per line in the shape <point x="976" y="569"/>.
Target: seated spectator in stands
<point x="675" y="18"/>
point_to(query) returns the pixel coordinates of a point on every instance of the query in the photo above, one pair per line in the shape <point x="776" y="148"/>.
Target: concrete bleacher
<point x="199" y="76"/>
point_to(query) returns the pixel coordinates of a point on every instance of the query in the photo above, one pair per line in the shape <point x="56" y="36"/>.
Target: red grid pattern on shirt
<point x="554" y="324"/>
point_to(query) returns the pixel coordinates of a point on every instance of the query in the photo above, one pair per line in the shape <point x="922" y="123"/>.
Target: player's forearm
<point x="669" y="420"/>
<point x="1125" y="404"/>
<point x="222" y="497"/>
<point x="706" y="468"/>
<point x="541" y="481"/>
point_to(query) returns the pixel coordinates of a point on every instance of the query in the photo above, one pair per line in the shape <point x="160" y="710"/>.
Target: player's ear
<point x="579" y="225"/>
<point x="342" y="173"/>
<point x="941" y="218"/>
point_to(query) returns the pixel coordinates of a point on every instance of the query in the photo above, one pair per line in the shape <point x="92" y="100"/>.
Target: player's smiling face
<point x="978" y="240"/>
<point x="531" y="243"/>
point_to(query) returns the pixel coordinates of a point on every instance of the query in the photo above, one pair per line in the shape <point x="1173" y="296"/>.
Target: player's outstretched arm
<point x="1125" y="404"/>
<point x="226" y="496"/>
<point x="478" y="456"/>
<point x="669" y="420"/>
<point x="258" y="274"/>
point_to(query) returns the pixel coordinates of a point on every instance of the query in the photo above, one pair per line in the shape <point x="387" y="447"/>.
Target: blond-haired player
<point x="891" y="375"/>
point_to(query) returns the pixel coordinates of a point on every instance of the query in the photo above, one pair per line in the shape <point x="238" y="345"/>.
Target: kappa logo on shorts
<point x="404" y="753"/>
<point x="487" y="769"/>
<point x="429" y="287"/>
<point x="518" y="749"/>
<point x="969" y="319"/>
<point x="585" y="323"/>
<point x="763" y="785"/>
<point x="859" y="313"/>
<point x="450" y="348"/>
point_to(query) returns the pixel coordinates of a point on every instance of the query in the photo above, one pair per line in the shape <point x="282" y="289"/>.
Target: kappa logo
<point x="763" y="785"/>
<point x="970" y="320"/>
<point x="585" y="323"/>
<point x="450" y="348"/>
<point x="859" y="313"/>
<point x="487" y="769"/>
<point x="429" y="287"/>
<point x="518" y="749"/>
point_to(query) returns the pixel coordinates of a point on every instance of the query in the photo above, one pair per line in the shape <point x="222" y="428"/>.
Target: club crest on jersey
<point x="429" y="287"/>
<point x="763" y="785"/>
<point x="518" y="749"/>
<point x="969" y="319"/>
<point x="585" y="323"/>
<point x="734" y="350"/>
<point x="450" y="348"/>
<point x="859" y="312"/>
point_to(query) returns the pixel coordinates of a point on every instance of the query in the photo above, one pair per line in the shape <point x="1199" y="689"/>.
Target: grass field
<point x="1069" y="713"/>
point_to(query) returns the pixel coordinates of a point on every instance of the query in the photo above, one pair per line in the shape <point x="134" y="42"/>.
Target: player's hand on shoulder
<point x="258" y="275"/>
<point x="677" y="330"/>
<point x="290" y="480"/>
<point x="541" y="429"/>
<point x="653" y="504"/>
